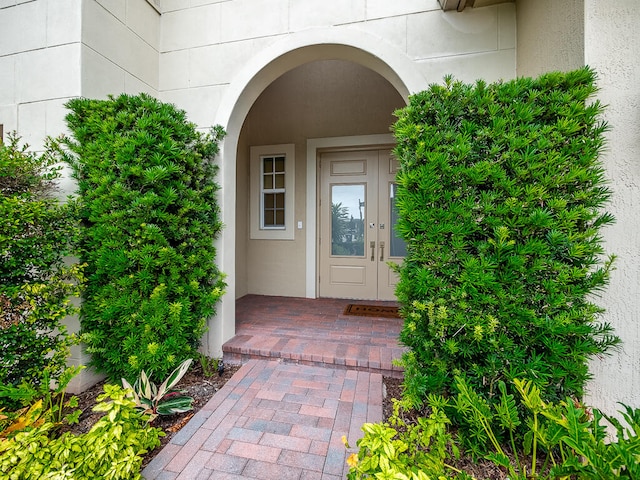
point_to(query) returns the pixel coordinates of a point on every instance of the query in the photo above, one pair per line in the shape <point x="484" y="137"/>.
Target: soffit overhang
<point x="460" y="5"/>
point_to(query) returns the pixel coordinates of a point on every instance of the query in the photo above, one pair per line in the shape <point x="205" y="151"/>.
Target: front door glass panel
<point x="398" y="247"/>
<point x="347" y="220"/>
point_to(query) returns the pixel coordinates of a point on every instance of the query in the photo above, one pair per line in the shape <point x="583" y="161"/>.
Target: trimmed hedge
<point x="500" y="200"/>
<point x="146" y="181"/>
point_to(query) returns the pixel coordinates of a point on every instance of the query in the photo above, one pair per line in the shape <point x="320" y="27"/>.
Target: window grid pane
<point x="273" y="192"/>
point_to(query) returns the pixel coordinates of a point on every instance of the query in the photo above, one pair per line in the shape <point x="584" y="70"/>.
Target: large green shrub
<point x="36" y="233"/>
<point x="147" y="200"/>
<point x="500" y="200"/>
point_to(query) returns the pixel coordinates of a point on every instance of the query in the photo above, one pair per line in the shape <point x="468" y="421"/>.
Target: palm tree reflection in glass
<point x="347" y="232"/>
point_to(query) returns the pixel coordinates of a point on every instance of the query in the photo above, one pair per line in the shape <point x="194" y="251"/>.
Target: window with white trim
<point x="272" y="192"/>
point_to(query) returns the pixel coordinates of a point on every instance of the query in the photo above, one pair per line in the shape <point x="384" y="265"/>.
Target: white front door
<point x="357" y="225"/>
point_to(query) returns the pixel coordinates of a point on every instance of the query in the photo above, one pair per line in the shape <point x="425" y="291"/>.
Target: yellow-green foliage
<point x="405" y="451"/>
<point x="111" y="449"/>
<point x="565" y="440"/>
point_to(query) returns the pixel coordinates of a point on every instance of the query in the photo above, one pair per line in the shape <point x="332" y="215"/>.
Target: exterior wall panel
<point x="190" y="28"/>
<point x="387" y="9"/>
<point x="245" y="19"/>
<point x="332" y="12"/>
<point x="611" y="38"/>
<point x="550" y="36"/>
<point x="48" y="73"/>
<point x="39" y="66"/>
<point x="24" y="28"/>
<point x="118" y="41"/>
<point x="443" y="34"/>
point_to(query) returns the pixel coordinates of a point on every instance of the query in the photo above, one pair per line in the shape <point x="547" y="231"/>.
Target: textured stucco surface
<point x="612" y="41"/>
<point x="550" y="36"/>
<point x="39" y="65"/>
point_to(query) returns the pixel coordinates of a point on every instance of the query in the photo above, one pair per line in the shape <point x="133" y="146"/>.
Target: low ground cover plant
<point x="113" y="448"/>
<point x="398" y="449"/>
<point x="210" y="365"/>
<point x="154" y="400"/>
<point x="566" y="440"/>
<point x="149" y="212"/>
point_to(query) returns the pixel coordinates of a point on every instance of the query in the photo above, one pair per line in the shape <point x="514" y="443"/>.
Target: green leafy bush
<point x="36" y="234"/>
<point x="42" y="404"/>
<point x="147" y="200"/>
<point x="500" y="200"/>
<point x="111" y="449"/>
<point x="564" y="440"/>
<point x="402" y="450"/>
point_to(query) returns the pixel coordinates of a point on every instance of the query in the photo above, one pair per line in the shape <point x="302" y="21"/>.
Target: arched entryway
<point x="322" y="89"/>
<point x="316" y="100"/>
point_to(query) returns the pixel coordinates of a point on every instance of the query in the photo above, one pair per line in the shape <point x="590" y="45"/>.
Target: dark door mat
<point x="381" y="311"/>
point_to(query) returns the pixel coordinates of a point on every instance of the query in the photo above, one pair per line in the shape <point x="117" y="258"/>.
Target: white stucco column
<point x="612" y="43"/>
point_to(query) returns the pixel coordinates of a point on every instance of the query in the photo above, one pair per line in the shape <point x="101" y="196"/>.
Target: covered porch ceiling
<point x="460" y="5"/>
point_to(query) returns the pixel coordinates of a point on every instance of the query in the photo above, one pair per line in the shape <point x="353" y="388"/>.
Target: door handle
<point x="381" y="251"/>
<point x="373" y="250"/>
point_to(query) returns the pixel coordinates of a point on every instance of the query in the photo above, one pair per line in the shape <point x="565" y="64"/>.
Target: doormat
<point x="382" y="311"/>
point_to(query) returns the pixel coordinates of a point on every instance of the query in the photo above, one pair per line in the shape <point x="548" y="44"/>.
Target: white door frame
<point x="313" y="145"/>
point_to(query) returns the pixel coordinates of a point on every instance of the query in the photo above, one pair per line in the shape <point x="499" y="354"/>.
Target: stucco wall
<point x="550" y="36"/>
<point x="54" y="50"/>
<point x="205" y="48"/>
<point x="39" y="65"/>
<point x="612" y="41"/>
<point x="120" y="42"/>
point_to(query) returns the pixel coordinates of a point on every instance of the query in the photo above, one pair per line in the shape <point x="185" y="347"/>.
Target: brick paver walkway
<point x="314" y="332"/>
<point x="274" y="420"/>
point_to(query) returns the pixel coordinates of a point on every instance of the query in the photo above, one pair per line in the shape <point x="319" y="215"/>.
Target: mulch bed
<point x="195" y="383"/>
<point x="202" y="388"/>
